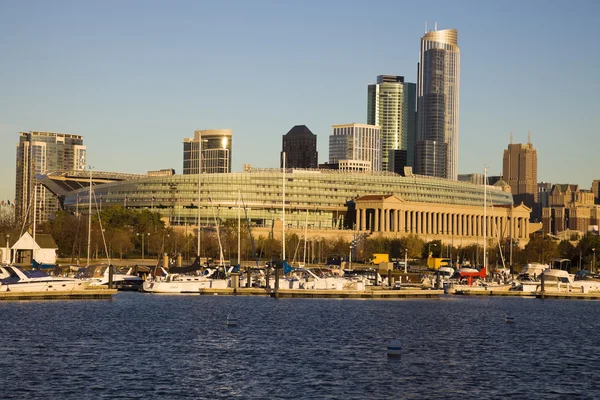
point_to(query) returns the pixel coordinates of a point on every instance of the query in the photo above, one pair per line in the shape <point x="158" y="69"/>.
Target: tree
<point x="541" y="249"/>
<point x="121" y="241"/>
<point x="414" y="244"/>
<point x="567" y="250"/>
<point x="586" y="248"/>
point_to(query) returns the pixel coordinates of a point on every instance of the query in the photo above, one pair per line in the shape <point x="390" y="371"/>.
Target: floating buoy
<point x="509" y="319"/>
<point x="394" y="348"/>
<point x="231" y="321"/>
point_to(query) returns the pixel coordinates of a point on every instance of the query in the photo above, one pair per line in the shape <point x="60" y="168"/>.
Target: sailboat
<point x="100" y="275"/>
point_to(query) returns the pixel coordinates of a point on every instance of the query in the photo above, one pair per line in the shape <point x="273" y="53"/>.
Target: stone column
<point x="363" y="218"/>
<point x="388" y="220"/>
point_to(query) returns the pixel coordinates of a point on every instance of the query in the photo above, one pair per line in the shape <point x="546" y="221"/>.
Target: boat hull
<point x="44" y="286"/>
<point x="183" y="286"/>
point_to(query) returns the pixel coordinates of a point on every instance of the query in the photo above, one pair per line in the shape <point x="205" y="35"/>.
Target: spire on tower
<point x="529" y="137"/>
<point x="511" y="138"/>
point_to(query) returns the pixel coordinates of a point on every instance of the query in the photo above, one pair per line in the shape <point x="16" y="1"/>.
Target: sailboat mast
<point x="89" y="241"/>
<point x="305" y="237"/>
<point x="34" y="215"/>
<point x="283" y="207"/>
<point x="239" y="232"/>
<point x="199" y="183"/>
<point x="485" y="221"/>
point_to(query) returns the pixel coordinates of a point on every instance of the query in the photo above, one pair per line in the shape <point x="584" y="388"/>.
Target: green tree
<point x="541" y="249"/>
<point x="414" y="244"/>
<point x="120" y="241"/>
<point x="567" y="250"/>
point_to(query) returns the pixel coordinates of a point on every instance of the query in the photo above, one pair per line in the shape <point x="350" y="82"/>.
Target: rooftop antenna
<point x="511" y="137"/>
<point x="425" y="26"/>
<point x="529" y="136"/>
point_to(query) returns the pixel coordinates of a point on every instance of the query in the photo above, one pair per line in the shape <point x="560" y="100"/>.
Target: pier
<point x="325" y="294"/>
<point x="538" y="295"/>
<point x="88" y="294"/>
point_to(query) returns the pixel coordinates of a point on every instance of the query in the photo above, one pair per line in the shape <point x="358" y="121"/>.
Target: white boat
<point x="561" y="281"/>
<point x="98" y="275"/>
<point x="529" y="280"/>
<point x="177" y="283"/>
<point x="308" y="278"/>
<point x="16" y="279"/>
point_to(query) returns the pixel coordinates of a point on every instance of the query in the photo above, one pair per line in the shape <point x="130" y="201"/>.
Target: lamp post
<point x="405" y="260"/>
<point x="143" y="235"/>
<point x="350" y="257"/>
<point x="593" y="260"/>
<point x="429" y="248"/>
<point x="8" y="257"/>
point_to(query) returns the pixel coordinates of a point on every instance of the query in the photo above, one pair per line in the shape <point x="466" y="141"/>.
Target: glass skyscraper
<point x="40" y="153"/>
<point x="436" y="148"/>
<point x="391" y="105"/>
<point x="216" y="151"/>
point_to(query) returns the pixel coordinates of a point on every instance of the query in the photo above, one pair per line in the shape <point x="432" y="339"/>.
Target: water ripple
<point x="145" y="346"/>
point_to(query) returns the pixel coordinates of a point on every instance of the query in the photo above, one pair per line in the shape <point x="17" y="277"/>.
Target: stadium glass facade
<point x="326" y="195"/>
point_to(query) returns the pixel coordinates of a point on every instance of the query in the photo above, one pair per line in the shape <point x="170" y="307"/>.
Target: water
<point x="153" y="346"/>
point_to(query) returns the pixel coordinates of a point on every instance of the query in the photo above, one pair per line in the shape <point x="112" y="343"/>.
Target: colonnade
<point x="467" y="221"/>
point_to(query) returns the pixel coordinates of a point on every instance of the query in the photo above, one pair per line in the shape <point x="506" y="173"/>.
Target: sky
<point x="135" y="78"/>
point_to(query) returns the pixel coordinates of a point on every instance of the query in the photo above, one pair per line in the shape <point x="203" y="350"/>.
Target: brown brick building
<point x="570" y="208"/>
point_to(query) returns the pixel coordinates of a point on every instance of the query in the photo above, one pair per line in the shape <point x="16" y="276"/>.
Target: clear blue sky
<point x="137" y="77"/>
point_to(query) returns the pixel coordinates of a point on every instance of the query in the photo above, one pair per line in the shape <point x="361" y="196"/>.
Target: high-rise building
<point x="355" y="146"/>
<point x="391" y="105"/>
<point x="397" y="161"/>
<point x="519" y="170"/>
<point x="436" y="147"/>
<point x="596" y="190"/>
<point x="300" y="148"/>
<point x="40" y="153"/>
<point x="216" y="151"/>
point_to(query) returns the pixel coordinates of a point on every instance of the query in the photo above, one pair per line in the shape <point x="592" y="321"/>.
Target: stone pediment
<point x="522" y="207"/>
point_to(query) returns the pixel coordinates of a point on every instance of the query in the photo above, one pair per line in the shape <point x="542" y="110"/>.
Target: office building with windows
<point x="519" y="170"/>
<point x="37" y="153"/>
<point x="391" y="105"/>
<point x="215" y="145"/>
<point x="356" y="142"/>
<point x="300" y="148"/>
<point x="438" y="84"/>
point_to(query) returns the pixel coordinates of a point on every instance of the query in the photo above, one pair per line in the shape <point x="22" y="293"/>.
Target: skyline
<point x="146" y="75"/>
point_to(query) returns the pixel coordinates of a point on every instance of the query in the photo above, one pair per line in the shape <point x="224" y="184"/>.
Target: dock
<point x="537" y="295"/>
<point x="506" y="293"/>
<point x="88" y="294"/>
<point x="326" y="294"/>
<point x="568" y="296"/>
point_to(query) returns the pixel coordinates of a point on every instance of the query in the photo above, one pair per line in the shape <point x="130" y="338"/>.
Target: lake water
<point x="157" y="346"/>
